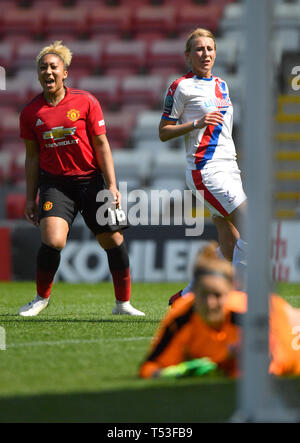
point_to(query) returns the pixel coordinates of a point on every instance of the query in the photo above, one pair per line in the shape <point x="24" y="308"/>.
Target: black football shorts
<point x="66" y="196"/>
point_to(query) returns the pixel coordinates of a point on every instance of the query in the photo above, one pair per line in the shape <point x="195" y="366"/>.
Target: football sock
<point x="239" y="262"/>
<point x="118" y="262"/>
<point x="48" y="260"/>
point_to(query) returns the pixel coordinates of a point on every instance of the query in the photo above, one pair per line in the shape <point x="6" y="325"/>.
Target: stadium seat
<point x="119" y="127"/>
<point x="15" y="93"/>
<point x="5" y="165"/>
<point x="107" y="20"/>
<point x="71" y="21"/>
<point x="105" y="89"/>
<point x="227" y="50"/>
<point x="133" y="169"/>
<point x="124" y="53"/>
<point x="192" y="17"/>
<point x="15" y="206"/>
<point x="17" y="168"/>
<point x="26" y="54"/>
<point x="287" y="15"/>
<point x="170" y="184"/>
<point x="21" y="20"/>
<point x="141" y="89"/>
<point x="153" y="19"/>
<point x="232" y="18"/>
<point x="166" y="53"/>
<point x="169" y="164"/>
<point x="85" y="53"/>
<point x="6" y="54"/>
<point x="154" y="146"/>
<point x="147" y="126"/>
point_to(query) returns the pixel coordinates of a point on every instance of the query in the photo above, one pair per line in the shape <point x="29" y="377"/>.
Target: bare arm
<point x="32" y="168"/>
<point x="169" y="129"/>
<point x="106" y="163"/>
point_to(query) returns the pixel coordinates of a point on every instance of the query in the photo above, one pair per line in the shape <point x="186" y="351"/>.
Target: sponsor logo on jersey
<point x="73" y="114"/>
<point x="58" y="133"/>
<point x="39" y="122"/>
<point x="47" y="206"/>
<point x="101" y="122"/>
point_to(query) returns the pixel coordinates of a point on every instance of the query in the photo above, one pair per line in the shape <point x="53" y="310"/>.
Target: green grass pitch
<point x="76" y="362"/>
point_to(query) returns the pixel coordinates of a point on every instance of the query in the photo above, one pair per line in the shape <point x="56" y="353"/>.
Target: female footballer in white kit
<point x="198" y="107"/>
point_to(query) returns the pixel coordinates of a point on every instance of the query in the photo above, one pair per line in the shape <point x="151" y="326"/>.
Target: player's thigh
<point x="57" y="210"/>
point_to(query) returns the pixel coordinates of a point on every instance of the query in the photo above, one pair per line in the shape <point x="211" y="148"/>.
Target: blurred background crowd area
<point x="126" y="53"/>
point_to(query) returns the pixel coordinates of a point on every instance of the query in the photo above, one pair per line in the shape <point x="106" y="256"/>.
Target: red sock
<point x="122" y="284"/>
<point x="48" y="259"/>
<point x="44" y="281"/>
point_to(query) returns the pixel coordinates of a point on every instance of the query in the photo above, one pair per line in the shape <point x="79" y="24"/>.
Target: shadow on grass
<point x="213" y="402"/>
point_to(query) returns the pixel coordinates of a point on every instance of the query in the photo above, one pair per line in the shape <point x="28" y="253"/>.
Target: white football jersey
<point x="189" y="98"/>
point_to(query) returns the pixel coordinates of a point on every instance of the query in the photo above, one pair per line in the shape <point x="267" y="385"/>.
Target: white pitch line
<point x="73" y="342"/>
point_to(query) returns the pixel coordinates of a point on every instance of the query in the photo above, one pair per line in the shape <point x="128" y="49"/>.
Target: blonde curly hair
<point x="58" y="49"/>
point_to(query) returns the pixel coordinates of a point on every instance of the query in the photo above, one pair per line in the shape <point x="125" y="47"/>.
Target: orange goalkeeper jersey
<point x="184" y="335"/>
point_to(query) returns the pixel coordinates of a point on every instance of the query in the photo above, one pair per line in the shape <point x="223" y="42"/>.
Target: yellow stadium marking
<point x="289" y="195"/>
<point x="288" y="155"/>
<point x="288" y="175"/>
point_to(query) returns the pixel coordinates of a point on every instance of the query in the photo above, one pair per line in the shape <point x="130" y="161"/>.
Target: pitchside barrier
<point x="157" y="253"/>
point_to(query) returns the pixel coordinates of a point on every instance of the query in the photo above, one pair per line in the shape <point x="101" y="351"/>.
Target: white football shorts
<point x="221" y="184"/>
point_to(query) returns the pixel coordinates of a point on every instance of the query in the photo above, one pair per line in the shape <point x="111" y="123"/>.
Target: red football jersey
<point x="64" y="132"/>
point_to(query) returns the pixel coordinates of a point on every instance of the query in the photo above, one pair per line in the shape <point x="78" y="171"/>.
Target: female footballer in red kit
<point x="68" y="160"/>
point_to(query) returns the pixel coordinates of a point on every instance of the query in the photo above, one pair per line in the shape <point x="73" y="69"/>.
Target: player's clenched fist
<point x="211" y="118"/>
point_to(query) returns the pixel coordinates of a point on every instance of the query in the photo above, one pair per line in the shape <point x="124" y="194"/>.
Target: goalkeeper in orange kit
<point x="201" y="332"/>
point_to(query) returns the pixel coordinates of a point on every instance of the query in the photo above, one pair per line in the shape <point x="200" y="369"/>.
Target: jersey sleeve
<point x="26" y="129"/>
<point x="95" y="119"/>
<point x="169" y="344"/>
<point x="173" y="103"/>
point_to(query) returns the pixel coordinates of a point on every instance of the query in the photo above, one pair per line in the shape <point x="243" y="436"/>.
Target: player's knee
<point x="109" y="240"/>
<point x="57" y="244"/>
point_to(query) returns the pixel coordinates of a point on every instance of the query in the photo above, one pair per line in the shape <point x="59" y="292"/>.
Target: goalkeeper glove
<point x="197" y="367"/>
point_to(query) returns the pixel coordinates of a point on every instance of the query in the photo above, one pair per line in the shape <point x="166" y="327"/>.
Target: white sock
<point x="239" y="262"/>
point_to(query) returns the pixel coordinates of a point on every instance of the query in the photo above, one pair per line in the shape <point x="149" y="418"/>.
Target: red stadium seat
<point x="120" y="71"/>
<point x="66" y="20"/>
<point x="17" y="169"/>
<point x="124" y="53"/>
<point x="85" y="53"/>
<point x="119" y="126"/>
<point x="105" y="89"/>
<point x="107" y="20"/>
<point x="166" y="53"/>
<point x="6" y="54"/>
<point x="15" y="94"/>
<point x="26" y="54"/>
<point x="15" y="206"/>
<point x="134" y="3"/>
<point x="145" y="89"/>
<point x="191" y="17"/>
<point x="5" y="165"/>
<point x="21" y="20"/>
<point x="154" y="19"/>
